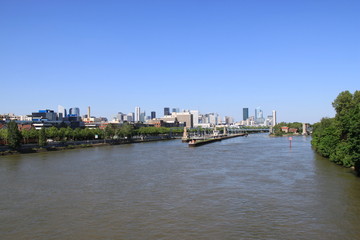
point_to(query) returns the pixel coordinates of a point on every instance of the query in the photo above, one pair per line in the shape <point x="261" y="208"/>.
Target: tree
<point x="42" y="137"/>
<point x="339" y="138"/>
<point x="62" y="134"/>
<point x="69" y="134"/>
<point x="3" y="135"/>
<point x="126" y="130"/>
<point x="26" y="135"/>
<point x="53" y="133"/>
<point x="326" y="136"/>
<point x="110" y="131"/>
<point x="13" y="136"/>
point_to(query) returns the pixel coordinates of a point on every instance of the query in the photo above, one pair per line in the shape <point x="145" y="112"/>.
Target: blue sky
<point x="214" y="56"/>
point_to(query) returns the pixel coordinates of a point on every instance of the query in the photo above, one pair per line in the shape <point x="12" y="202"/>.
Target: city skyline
<point x="139" y="113"/>
<point x="294" y="57"/>
<point x="189" y="118"/>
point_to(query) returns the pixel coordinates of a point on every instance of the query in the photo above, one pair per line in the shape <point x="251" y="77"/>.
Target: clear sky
<point x="215" y="56"/>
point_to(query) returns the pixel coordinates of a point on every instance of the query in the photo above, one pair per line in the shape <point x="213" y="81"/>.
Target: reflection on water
<point x="240" y="188"/>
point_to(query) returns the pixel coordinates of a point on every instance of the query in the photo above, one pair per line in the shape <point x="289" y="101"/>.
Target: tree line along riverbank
<point x="338" y="138"/>
<point x="13" y="140"/>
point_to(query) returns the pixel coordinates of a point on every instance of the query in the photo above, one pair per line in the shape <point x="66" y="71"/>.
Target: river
<point x="252" y="187"/>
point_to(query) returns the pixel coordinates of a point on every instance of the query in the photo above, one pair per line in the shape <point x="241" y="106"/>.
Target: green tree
<point x="69" y="134"/>
<point x="52" y="133"/>
<point x="110" y="131"/>
<point x="326" y="136"/>
<point x="339" y="138"/>
<point x="126" y="131"/>
<point x="26" y="135"/>
<point x="42" y="137"/>
<point x="3" y="135"/>
<point x="62" y="134"/>
<point x="13" y="135"/>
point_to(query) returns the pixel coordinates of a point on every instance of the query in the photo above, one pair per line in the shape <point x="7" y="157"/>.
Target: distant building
<point x="11" y="116"/>
<point x="166" y="111"/>
<point x="153" y="115"/>
<point x="44" y="115"/>
<point x="274" y="118"/>
<point x="176" y="110"/>
<point x="285" y="129"/>
<point x="195" y="114"/>
<point x="185" y="118"/>
<point x="61" y="113"/>
<point x="129" y="117"/>
<point x="245" y="113"/>
<point x="120" y="117"/>
<point x="74" y="111"/>
<point x="293" y="130"/>
<point x="142" y="117"/>
<point x="137" y="114"/>
<point x="259" y="116"/>
<point x="269" y="120"/>
<point x="229" y="120"/>
<point x="164" y="122"/>
<point x="212" y="118"/>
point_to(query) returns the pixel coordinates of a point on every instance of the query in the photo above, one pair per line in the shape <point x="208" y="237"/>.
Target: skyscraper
<point x="259" y="116"/>
<point x="137" y="114"/>
<point x="258" y="113"/>
<point x="142" y="117"/>
<point x="74" y="111"/>
<point x="166" y="111"/>
<point x="153" y="115"/>
<point x="245" y="113"/>
<point x="61" y="113"/>
<point x="274" y="118"/>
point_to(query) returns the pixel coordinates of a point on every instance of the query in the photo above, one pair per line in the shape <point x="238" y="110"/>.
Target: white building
<point x="274" y="118"/>
<point x="61" y="112"/>
<point x="137" y="114"/>
<point x="195" y="114"/>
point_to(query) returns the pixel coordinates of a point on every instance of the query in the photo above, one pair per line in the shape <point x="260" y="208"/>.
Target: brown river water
<point x="252" y="187"/>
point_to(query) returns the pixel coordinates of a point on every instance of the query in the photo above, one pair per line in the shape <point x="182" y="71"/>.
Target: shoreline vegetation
<point x="14" y="141"/>
<point x="338" y="138"/>
<point x="284" y="129"/>
<point x="58" y="146"/>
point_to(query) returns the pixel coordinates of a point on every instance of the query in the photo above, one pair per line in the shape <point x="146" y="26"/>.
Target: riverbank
<point x="59" y="146"/>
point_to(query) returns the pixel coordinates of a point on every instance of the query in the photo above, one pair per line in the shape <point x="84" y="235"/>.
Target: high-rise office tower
<point x="258" y="113"/>
<point x="274" y="118"/>
<point x="142" y="117"/>
<point x="166" y="111"/>
<point x="259" y="116"/>
<point x="153" y="115"/>
<point x="61" y="113"/>
<point x="74" y="111"/>
<point x="245" y="113"/>
<point x="137" y="114"/>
